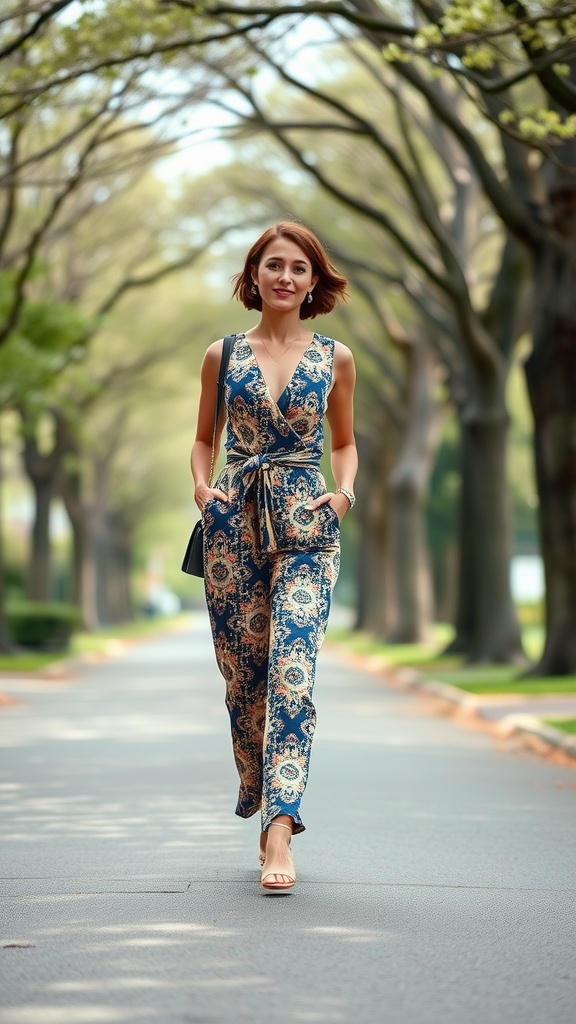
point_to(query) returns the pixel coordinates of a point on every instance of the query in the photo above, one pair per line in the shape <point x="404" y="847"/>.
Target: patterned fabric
<point x="270" y="568"/>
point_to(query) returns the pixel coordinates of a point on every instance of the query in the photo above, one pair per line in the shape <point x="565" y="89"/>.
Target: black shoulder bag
<point x="193" y="562"/>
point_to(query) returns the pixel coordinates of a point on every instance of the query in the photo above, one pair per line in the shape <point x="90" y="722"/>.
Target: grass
<point x="85" y="643"/>
<point x="565" y="724"/>
<point x="32" y="662"/>
<point x="493" y="679"/>
<point x="479" y="679"/>
<point x="395" y="654"/>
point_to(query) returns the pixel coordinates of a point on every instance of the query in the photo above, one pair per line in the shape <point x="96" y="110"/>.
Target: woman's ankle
<point x="285" y="821"/>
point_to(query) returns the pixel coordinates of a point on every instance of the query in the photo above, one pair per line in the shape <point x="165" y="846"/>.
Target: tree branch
<point x="29" y="33"/>
<point x="145" y="280"/>
<point x="557" y="87"/>
<point x="321" y="9"/>
<point x="512" y="212"/>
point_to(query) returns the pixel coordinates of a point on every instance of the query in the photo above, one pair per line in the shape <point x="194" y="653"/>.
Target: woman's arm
<point x="340" y="416"/>
<point x="201" y="455"/>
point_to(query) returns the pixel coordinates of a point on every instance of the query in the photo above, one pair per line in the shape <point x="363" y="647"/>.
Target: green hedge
<point x="42" y="626"/>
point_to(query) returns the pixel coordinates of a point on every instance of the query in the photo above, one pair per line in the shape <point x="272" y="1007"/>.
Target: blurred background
<point x="143" y="146"/>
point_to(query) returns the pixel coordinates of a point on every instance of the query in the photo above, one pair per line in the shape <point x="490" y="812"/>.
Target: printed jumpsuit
<point x="270" y="568"/>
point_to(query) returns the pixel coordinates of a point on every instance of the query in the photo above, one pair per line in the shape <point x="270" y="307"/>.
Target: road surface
<point x="437" y="875"/>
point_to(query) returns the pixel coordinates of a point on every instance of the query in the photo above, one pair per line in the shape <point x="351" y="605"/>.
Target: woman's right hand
<point x="202" y="494"/>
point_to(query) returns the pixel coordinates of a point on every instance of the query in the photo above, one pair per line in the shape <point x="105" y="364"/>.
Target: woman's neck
<point x="280" y="329"/>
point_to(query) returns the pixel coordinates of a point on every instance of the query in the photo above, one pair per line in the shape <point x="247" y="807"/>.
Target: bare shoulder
<point x="344" y="366"/>
<point x="212" y="357"/>
<point x="214" y="351"/>
<point x="342" y="353"/>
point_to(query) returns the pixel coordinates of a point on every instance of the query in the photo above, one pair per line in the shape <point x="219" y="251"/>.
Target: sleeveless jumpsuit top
<point x="273" y="453"/>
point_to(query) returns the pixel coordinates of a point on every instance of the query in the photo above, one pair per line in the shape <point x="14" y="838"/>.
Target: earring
<point x="254" y="290"/>
<point x="309" y="298"/>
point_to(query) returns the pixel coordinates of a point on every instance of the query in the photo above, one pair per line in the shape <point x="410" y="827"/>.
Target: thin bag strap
<point x="227" y="346"/>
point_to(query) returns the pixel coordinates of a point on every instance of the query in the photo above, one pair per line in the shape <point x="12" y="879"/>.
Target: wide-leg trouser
<point x="268" y="613"/>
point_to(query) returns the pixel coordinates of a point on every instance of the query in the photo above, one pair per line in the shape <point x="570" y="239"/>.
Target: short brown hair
<point x="330" y="287"/>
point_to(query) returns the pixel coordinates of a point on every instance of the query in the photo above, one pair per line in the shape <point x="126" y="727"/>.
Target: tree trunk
<point x="373" y="601"/>
<point x="551" y="377"/>
<point x="42" y="471"/>
<point x="120" y="571"/>
<point x="374" y="612"/>
<point x="446" y="583"/>
<point x="112" y="547"/>
<point x="79" y="511"/>
<point x="495" y="635"/>
<point x="83" y="570"/>
<point x="483" y="421"/>
<point x="115" y="603"/>
<point x="6" y="646"/>
<point x="466" y="592"/>
<point x="408" y="486"/>
<point x="411" y="570"/>
<point x="39" y="586"/>
<point x="101" y="553"/>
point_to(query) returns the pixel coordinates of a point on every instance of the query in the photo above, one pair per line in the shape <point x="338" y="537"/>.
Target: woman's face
<point x="283" y="275"/>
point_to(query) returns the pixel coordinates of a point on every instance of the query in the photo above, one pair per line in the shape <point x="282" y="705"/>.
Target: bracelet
<point x="347" y="494"/>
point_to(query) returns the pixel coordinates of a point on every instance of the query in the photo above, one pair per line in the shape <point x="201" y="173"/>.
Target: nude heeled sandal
<point x="277" y="872"/>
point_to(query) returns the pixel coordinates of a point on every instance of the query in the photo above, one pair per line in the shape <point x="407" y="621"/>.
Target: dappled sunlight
<point x="325" y="1009"/>
<point x="123" y="969"/>
<point x="119" y="984"/>
<point x="142" y="820"/>
<point x="349" y="934"/>
<point x="32" y="1013"/>
<point x="129" y="728"/>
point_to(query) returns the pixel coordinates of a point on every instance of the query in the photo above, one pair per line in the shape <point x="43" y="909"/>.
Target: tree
<point x="91" y="94"/>
<point x="473" y="326"/>
<point x="534" y="194"/>
<point x="546" y="225"/>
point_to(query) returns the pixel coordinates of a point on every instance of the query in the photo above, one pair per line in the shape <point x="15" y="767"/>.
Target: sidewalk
<point x="436" y="878"/>
<point x="508" y="714"/>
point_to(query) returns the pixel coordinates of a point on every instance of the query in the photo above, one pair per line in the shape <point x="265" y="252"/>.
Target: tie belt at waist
<point x="254" y="474"/>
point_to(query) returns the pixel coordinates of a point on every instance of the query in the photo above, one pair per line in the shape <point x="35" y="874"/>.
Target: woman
<point x="271" y="529"/>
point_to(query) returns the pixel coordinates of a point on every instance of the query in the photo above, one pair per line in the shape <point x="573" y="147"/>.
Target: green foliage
<point x="47" y="337"/>
<point x="537" y="123"/>
<point x="43" y="626"/>
<point x="471" y="37"/>
<point x="92" y="36"/>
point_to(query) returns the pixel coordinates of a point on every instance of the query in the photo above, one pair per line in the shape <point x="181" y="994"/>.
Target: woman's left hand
<point x="338" y="501"/>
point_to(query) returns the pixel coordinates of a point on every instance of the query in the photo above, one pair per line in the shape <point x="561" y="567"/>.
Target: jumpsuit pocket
<point x="216" y="515"/>
<point x="333" y="513"/>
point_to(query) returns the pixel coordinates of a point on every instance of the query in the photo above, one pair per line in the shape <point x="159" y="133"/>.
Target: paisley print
<point x="270" y="568"/>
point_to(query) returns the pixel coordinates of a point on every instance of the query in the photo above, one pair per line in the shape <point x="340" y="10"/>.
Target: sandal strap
<point x="278" y="874"/>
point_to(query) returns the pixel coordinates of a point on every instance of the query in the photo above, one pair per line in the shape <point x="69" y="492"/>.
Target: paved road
<point x="437" y="874"/>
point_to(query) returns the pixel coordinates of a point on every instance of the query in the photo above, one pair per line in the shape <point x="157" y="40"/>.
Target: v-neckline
<point x="275" y="401"/>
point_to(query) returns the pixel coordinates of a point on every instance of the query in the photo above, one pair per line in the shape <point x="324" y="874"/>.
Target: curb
<point x="113" y="647"/>
<point x="543" y="738"/>
<point x="65" y="668"/>
<point x="508" y="725"/>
